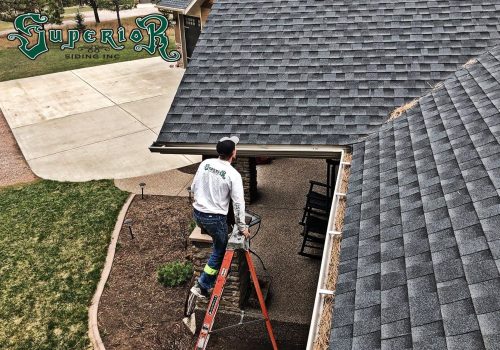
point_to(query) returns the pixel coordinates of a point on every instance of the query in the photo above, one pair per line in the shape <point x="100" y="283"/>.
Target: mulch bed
<point x="14" y="169"/>
<point x="135" y="311"/>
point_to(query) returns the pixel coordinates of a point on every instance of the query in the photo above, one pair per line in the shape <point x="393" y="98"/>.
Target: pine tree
<point x="80" y="25"/>
<point x="54" y="11"/>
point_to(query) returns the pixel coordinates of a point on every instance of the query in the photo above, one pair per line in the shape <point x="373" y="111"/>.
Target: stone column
<point x="247" y="167"/>
<point x="237" y="289"/>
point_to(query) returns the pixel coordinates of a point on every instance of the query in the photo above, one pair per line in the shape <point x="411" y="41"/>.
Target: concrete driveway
<point x="94" y="123"/>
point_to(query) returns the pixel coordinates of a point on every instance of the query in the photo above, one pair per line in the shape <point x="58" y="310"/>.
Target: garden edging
<point x="94" y="335"/>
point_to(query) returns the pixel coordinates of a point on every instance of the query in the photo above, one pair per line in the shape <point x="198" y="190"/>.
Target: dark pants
<point x="216" y="226"/>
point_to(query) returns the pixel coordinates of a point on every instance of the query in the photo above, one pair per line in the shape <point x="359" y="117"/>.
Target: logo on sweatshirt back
<point x="222" y="173"/>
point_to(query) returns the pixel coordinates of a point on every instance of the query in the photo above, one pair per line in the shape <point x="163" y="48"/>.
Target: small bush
<point x="175" y="273"/>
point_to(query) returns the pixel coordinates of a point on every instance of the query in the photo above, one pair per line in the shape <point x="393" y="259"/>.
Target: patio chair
<point x="314" y="236"/>
<point x="320" y="195"/>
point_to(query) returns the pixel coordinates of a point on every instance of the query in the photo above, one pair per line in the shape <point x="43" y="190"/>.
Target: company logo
<point x="30" y="26"/>
<point x="222" y="173"/>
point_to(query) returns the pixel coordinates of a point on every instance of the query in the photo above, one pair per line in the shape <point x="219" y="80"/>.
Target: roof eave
<point x="253" y="150"/>
<point x="168" y="8"/>
<point x="181" y="10"/>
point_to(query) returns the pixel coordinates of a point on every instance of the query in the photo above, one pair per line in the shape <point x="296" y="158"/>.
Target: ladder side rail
<point x="262" y="303"/>
<point x="213" y="305"/>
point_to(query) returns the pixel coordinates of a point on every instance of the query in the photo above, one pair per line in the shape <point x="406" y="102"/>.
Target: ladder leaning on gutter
<point x="325" y="261"/>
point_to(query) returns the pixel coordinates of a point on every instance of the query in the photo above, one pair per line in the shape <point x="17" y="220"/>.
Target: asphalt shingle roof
<point x="420" y="257"/>
<point x="320" y="71"/>
<point x="175" y="4"/>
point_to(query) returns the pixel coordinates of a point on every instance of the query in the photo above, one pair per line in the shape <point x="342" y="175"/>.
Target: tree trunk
<point x="117" y="9"/>
<point x="93" y="4"/>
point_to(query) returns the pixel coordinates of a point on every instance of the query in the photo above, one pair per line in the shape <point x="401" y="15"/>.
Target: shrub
<point x="175" y="273"/>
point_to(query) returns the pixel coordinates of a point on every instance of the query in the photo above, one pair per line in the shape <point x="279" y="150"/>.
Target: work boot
<point x="199" y="291"/>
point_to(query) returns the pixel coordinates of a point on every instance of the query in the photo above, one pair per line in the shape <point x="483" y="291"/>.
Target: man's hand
<point x="246" y="233"/>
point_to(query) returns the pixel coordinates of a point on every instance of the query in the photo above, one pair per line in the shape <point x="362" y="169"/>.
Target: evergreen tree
<point x="10" y="9"/>
<point x="54" y="11"/>
<point x="80" y="25"/>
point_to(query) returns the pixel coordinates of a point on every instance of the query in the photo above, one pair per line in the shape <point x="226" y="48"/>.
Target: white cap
<point x="235" y="139"/>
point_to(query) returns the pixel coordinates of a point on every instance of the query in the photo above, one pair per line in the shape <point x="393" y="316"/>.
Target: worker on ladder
<point x="215" y="184"/>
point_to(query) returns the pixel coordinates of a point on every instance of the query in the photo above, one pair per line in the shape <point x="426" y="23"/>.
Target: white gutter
<point x="288" y="151"/>
<point x="321" y="291"/>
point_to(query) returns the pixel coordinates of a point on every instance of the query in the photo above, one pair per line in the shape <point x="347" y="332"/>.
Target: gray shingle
<point x="321" y="72"/>
<point x="459" y="317"/>
<point x="437" y="242"/>
<point x="467" y="341"/>
<point x="490" y="328"/>
<point x="485" y="296"/>
<point x="175" y="4"/>
<point x="429" y="336"/>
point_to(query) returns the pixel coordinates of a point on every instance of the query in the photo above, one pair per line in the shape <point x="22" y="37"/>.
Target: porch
<point x="188" y="18"/>
<point x="282" y="188"/>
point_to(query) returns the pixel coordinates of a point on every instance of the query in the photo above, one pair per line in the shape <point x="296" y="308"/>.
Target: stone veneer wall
<point x="237" y="287"/>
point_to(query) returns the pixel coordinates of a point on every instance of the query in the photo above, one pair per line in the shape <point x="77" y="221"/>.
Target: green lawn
<point x="53" y="242"/>
<point x="53" y="61"/>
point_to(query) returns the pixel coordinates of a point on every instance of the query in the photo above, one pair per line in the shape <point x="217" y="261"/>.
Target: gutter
<point x="325" y="261"/>
<point x="285" y="151"/>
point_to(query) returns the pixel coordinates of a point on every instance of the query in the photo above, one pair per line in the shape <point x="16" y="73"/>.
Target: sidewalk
<point x="94" y="123"/>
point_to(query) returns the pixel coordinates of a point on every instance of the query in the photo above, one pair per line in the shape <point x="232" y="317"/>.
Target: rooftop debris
<point x="398" y="112"/>
<point x="470" y="63"/>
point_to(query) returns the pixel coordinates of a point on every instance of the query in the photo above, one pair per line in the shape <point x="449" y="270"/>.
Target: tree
<point x="95" y="6"/>
<point x="117" y="5"/>
<point x="80" y="25"/>
<point x="54" y="10"/>
<point x="10" y="9"/>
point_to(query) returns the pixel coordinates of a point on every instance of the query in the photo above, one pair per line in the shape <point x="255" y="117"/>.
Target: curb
<point x="95" y="337"/>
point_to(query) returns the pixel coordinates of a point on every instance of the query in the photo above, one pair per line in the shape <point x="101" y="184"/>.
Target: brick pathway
<point x="13" y="168"/>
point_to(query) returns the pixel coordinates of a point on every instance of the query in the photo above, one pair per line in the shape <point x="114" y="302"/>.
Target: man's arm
<point x="196" y="179"/>
<point x="238" y="197"/>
